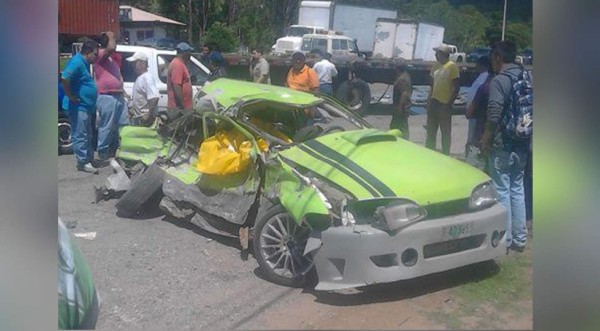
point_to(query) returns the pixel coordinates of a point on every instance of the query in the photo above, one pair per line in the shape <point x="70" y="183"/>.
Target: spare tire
<point x="356" y="94"/>
<point x="143" y="189"/>
<point x="65" y="142"/>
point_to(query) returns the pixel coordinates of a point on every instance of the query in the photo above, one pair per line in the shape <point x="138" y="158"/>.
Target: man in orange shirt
<point x="179" y="86"/>
<point x="301" y="77"/>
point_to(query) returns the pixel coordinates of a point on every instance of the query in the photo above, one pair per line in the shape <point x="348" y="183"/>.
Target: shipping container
<point x="88" y="17"/>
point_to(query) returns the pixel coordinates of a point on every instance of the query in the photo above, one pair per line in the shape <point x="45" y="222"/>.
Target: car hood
<point x="370" y="163"/>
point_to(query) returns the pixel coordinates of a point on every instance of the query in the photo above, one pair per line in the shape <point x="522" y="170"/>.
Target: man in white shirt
<point x="326" y="71"/>
<point x="259" y="68"/>
<point x="145" y="92"/>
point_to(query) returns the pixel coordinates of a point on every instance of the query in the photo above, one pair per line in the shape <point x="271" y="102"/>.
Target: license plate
<point x="457" y="231"/>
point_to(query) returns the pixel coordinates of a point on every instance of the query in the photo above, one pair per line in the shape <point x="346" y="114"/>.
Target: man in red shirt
<point x="179" y="86"/>
<point x="111" y="105"/>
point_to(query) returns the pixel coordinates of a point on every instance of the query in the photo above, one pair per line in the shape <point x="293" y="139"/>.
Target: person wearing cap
<point x="325" y="71"/>
<point x="401" y="100"/>
<point x="482" y="66"/>
<point x="301" y="77"/>
<point x="111" y="104"/>
<point x="145" y="92"/>
<point x="444" y="89"/>
<point x="179" y="85"/>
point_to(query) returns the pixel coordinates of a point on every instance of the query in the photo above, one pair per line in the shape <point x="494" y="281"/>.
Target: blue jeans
<point x="507" y="169"/>
<point x="326" y="88"/>
<point x="82" y="135"/>
<point x="112" y="111"/>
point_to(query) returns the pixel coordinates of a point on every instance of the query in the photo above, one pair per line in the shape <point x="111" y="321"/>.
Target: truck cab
<point x="336" y="44"/>
<point x="293" y="38"/>
<point x="456" y="56"/>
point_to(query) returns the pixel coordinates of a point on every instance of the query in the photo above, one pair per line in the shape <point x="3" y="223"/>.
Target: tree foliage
<point x="258" y="23"/>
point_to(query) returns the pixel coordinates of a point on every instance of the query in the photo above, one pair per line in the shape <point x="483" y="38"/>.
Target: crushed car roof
<point x="227" y="92"/>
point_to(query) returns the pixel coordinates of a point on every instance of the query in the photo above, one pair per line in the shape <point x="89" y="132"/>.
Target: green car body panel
<point x="370" y="163"/>
<point x="228" y="91"/>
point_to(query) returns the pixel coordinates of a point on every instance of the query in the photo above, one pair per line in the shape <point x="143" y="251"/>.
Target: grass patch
<point x="495" y="298"/>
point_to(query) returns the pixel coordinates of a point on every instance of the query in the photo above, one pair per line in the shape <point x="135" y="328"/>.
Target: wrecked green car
<point x="322" y="190"/>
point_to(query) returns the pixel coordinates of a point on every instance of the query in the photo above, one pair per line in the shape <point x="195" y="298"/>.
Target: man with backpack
<point x="507" y="137"/>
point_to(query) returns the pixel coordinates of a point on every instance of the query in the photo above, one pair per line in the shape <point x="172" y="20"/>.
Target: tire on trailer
<point x="356" y="94"/>
<point x="278" y="246"/>
<point x="65" y="142"/>
<point x="145" y="188"/>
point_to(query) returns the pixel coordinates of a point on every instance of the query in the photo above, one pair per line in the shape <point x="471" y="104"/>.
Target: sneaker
<point x="516" y="247"/>
<point x="88" y="167"/>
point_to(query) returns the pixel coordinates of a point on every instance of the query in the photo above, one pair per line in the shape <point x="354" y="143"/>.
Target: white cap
<point x="138" y="56"/>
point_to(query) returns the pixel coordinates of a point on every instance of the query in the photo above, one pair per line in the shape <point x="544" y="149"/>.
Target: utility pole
<point x="190" y="22"/>
<point x="504" y="20"/>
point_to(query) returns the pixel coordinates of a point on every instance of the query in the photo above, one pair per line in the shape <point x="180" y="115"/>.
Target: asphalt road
<point x="156" y="273"/>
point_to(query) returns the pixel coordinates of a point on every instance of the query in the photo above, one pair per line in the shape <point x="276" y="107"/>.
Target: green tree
<point x="223" y="36"/>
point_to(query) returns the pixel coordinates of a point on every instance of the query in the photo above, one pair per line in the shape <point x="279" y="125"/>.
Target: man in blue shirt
<point x="80" y="100"/>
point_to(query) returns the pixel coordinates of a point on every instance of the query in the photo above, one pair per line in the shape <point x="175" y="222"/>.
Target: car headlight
<point x="398" y="214"/>
<point x="484" y="195"/>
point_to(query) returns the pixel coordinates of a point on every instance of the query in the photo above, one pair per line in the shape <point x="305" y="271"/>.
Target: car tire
<point x="459" y="59"/>
<point x="144" y="188"/>
<point x="356" y="94"/>
<point x="278" y="245"/>
<point x="65" y="142"/>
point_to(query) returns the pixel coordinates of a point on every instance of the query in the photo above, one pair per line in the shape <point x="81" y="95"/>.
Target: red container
<point x="88" y="17"/>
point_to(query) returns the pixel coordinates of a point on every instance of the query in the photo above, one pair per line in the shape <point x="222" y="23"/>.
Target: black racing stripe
<point x="346" y="162"/>
<point x="354" y="177"/>
<point x="305" y="171"/>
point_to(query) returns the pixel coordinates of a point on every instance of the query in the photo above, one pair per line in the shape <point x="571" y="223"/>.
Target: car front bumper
<point x="353" y="256"/>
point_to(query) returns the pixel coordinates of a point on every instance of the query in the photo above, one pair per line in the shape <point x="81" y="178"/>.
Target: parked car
<point x="311" y="186"/>
<point x="475" y="54"/>
<point x="168" y="43"/>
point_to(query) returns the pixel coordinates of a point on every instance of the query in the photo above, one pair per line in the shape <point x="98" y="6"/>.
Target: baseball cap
<point x="442" y="48"/>
<point x="184" y="47"/>
<point x="138" y="56"/>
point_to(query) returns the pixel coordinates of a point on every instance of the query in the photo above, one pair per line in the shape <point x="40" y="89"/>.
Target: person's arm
<point x="334" y="71"/>
<point x="178" y="92"/>
<point x="431" y="82"/>
<point x="455" y="90"/>
<point x="66" y="83"/>
<point x="495" y="107"/>
<point x="110" y="47"/>
<point x="313" y="80"/>
<point x="65" y="79"/>
<point x="177" y="73"/>
<point x="454" y="75"/>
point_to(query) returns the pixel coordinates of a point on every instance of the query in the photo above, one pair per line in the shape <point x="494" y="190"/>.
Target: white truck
<point x="353" y="21"/>
<point x="293" y="38"/>
<point x="410" y="40"/>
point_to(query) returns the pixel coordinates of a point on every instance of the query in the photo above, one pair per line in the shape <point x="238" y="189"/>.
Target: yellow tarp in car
<point x="226" y="153"/>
